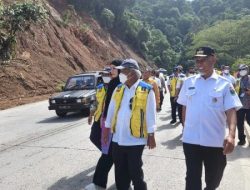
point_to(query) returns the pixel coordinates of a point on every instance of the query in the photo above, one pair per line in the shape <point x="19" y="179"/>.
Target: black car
<point x="77" y="95"/>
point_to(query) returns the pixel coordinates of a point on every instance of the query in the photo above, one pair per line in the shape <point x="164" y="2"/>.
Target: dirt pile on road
<point x="48" y="54"/>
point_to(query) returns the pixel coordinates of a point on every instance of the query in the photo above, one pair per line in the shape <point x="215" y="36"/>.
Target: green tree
<point x="107" y="18"/>
<point x="17" y="17"/>
<point x="230" y="38"/>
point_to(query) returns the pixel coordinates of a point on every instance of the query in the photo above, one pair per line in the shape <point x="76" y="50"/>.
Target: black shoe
<point x="173" y="121"/>
<point x="242" y="142"/>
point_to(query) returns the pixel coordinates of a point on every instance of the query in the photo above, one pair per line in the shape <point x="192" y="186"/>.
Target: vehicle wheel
<point x="86" y="112"/>
<point x="60" y="113"/>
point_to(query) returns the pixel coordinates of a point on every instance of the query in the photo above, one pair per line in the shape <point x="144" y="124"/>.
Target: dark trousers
<point x="161" y="97"/>
<point x="175" y="106"/>
<point x="103" y="167"/>
<point x="128" y="166"/>
<point x="241" y="115"/>
<point x="214" y="163"/>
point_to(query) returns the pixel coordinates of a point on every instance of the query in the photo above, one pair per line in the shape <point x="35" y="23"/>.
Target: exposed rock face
<point x="49" y="53"/>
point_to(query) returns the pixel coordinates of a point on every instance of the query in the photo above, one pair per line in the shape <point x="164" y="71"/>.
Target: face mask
<point x="226" y="71"/>
<point x="243" y="73"/>
<point x="106" y="80"/>
<point x="123" y="78"/>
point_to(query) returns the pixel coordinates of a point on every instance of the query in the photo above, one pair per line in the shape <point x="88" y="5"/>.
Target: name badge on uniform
<point x="214" y="100"/>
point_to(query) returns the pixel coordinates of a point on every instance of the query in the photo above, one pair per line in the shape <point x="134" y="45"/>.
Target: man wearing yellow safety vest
<point x="103" y="96"/>
<point x="146" y="77"/>
<point x="132" y="118"/>
<point x="172" y="87"/>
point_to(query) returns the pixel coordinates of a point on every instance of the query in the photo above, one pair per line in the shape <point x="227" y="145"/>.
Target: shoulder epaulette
<point x="119" y="85"/>
<point x="182" y="75"/>
<point x="145" y="85"/>
<point x="99" y="86"/>
<point x="171" y="76"/>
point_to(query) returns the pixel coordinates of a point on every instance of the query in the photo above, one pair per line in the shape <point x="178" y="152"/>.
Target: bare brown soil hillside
<point x="49" y="53"/>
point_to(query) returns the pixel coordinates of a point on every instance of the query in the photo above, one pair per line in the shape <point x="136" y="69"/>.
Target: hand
<point x="151" y="142"/>
<point x="165" y="91"/>
<point x="90" y="120"/>
<point x="247" y="92"/>
<point x="175" y="98"/>
<point x="228" y="145"/>
<point x="105" y="135"/>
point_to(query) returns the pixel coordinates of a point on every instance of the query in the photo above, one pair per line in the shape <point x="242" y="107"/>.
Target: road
<point x="40" y="151"/>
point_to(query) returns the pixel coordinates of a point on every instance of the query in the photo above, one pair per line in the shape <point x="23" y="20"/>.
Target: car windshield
<point x="80" y="83"/>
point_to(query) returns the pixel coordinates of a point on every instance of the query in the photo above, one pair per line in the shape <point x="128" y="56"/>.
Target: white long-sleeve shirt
<point x="123" y="136"/>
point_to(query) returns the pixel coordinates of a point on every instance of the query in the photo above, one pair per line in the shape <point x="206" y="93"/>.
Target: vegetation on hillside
<point x="168" y="31"/>
<point x="14" y="18"/>
<point x="163" y="31"/>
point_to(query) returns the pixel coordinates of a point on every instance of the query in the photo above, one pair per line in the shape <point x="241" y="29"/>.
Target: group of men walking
<point x="125" y="119"/>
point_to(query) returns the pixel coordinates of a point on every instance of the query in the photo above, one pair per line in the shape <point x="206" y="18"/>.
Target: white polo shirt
<point x="230" y="78"/>
<point x="123" y="136"/>
<point x="206" y="101"/>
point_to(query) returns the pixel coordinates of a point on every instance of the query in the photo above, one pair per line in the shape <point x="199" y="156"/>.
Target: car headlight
<point x="85" y="100"/>
<point x="53" y="101"/>
<point x="92" y="98"/>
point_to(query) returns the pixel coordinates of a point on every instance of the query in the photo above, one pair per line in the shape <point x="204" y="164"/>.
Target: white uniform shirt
<point x="180" y="81"/>
<point x="123" y="136"/>
<point x="158" y="82"/>
<point x="206" y="102"/>
<point x="230" y="78"/>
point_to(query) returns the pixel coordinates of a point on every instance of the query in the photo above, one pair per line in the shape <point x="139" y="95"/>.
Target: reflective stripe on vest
<point x="138" y="126"/>
<point x="100" y="98"/>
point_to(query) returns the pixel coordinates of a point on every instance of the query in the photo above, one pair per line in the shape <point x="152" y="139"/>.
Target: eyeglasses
<point x="242" y="69"/>
<point x="130" y="103"/>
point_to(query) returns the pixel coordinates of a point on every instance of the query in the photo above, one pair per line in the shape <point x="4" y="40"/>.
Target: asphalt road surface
<point x="40" y="151"/>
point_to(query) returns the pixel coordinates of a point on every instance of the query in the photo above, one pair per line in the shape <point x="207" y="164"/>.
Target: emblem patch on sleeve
<point x="232" y="91"/>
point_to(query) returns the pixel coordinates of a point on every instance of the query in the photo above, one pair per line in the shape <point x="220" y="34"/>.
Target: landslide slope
<point x="49" y="53"/>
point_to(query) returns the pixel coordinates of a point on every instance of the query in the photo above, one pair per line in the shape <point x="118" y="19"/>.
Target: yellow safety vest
<point x="237" y="86"/>
<point x="100" y="98"/>
<point x="173" y="82"/>
<point x="138" y="126"/>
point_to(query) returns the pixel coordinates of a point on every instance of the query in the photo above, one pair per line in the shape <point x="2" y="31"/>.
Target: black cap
<point x="117" y="62"/>
<point x="204" y="52"/>
<point x="129" y="64"/>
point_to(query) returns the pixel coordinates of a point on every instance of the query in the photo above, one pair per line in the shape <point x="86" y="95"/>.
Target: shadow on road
<point x="173" y="143"/>
<point x="167" y="126"/>
<point x="165" y="118"/>
<point x="77" y="182"/>
<point x="68" y="118"/>
<point x="239" y="152"/>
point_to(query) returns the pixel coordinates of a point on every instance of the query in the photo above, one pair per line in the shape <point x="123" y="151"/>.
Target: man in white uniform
<point x="209" y="105"/>
<point x="132" y="117"/>
<point x="228" y="76"/>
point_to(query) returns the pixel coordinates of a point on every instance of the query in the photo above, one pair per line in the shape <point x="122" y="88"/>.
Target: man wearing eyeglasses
<point x="132" y="118"/>
<point x="209" y="105"/>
